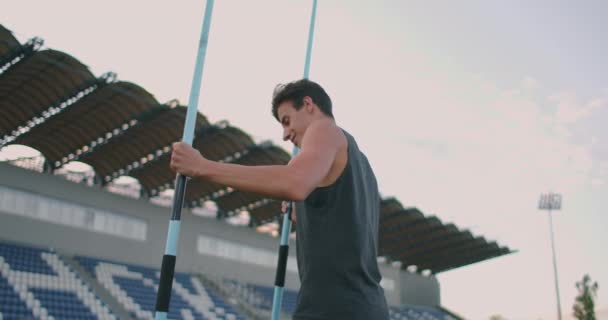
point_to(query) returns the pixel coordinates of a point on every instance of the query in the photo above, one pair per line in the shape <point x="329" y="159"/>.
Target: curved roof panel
<point x="231" y="200"/>
<point x="408" y="236"/>
<point x="223" y="143"/>
<point x="8" y="44"/>
<point x="215" y="142"/>
<point x="45" y="79"/>
<point x="69" y="134"/>
<point x="150" y="136"/>
<point x="265" y="212"/>
<point x="237" y="200"/>
<point x="12" y="52"/>
<point x="488" y="252"/>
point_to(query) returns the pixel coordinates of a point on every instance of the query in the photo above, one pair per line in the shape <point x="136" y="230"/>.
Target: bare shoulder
<point x="328" y="141"/>
<point x="327" y="132"/>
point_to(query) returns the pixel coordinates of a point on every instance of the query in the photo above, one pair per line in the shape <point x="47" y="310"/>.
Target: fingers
<point x="178" y="154"/>
<point x="178" y="148"/>
<point x="185" y="159"/>
<point x="284" y="205"/>
<point x="174" y="156"/>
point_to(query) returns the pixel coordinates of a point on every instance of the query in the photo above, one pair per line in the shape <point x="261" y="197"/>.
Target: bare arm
<point x="293" y="181"/>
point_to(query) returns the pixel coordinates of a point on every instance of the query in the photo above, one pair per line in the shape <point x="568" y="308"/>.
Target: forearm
<point x="276" y="181"/>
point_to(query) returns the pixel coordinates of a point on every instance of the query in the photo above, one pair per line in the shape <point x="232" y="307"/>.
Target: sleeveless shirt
<point x="336" y="243"/>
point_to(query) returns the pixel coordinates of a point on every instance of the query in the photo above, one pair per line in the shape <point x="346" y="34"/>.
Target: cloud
<point x="571" y="110"/>
<point x="597" y="104"/>
<point x="601" y="176"/>
<point x="502" y="149"/>
<point x="530" y="83"/>
<point x="471" y="146"/>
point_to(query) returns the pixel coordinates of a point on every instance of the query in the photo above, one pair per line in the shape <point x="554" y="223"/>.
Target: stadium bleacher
<point x="418" y="313"/>
<point x="290" y="297"/>
<point x="261" y="297"/>
<point x="36" y="284"/>
<point x="134" y="287"/>
<point x="246" y="294"/>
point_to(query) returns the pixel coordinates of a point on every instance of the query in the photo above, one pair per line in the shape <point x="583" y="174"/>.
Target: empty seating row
<point x="36" y="283"/>
<point x="418" y="313"/>
<point x="135" y="287"/>
<point x="261" y="297"/>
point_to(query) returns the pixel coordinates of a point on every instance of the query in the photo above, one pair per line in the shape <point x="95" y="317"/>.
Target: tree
<point x="584" y="304"/>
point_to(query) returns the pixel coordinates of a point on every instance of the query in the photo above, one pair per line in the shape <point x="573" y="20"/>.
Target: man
<point x="337" y="204"/>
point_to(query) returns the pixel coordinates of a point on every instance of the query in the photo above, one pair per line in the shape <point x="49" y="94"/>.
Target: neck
<point x="325" y="118"/>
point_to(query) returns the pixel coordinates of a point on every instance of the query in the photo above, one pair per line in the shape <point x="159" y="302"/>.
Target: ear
<point x="308" y="104"/>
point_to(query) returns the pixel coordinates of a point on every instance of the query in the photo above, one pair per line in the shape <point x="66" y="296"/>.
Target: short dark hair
<point x="296" y="91"/>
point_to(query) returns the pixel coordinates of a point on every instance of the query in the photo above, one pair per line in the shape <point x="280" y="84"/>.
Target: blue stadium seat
<point x="418" y="313"/>
<point x="290" y="297"/>
<point x="11" y="306"/>
<point x="261" y="297"/>
<point x="36" y="284"/>
<point x="135" y="287"/>
<point x="252" y="293"/>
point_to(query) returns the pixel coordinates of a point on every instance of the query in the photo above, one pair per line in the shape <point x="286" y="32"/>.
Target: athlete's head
<point x="296" y="104"/>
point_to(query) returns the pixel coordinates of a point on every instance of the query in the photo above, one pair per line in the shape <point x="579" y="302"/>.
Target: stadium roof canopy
<point x="52" y="102"/>
<point x="412" y="238"/>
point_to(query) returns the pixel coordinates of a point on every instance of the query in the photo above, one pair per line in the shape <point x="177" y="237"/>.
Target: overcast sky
<point x="467" y="110"/>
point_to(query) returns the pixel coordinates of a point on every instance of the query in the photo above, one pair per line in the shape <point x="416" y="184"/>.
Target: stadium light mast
<point x="552" y="201"/>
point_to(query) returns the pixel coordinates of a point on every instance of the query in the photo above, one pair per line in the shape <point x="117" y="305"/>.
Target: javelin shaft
<point x="279" y="282"/>
<point x="311" y="34"/>
<point x="167" y="272"/>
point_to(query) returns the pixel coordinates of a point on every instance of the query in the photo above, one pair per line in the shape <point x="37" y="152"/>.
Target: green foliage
<point x="584" y="305"/>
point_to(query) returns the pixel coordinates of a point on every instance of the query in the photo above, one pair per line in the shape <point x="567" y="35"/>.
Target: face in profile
<point x="294" y="122"/>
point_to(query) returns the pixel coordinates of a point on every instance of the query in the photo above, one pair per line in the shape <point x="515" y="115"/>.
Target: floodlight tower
<point x="552" y="201"/>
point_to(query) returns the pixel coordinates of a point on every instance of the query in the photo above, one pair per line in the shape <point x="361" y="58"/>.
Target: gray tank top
<point x="337" y="237"/>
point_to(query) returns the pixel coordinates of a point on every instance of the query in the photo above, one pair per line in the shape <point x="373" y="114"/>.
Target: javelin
<point x="168" y="264"/>
<point x="279" y="282"/>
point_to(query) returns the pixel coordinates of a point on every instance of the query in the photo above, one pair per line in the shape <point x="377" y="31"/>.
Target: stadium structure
<point x="87" y="245"/>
